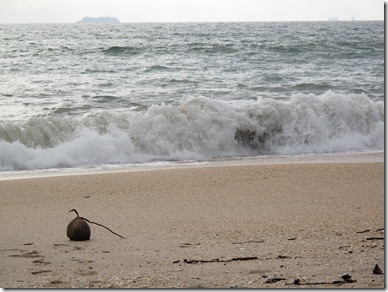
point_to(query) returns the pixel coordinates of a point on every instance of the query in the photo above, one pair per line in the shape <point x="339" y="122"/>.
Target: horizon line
<point x="204" y="21"/>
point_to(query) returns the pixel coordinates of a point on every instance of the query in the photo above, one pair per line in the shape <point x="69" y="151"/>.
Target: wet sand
<point x="256" y="225"/>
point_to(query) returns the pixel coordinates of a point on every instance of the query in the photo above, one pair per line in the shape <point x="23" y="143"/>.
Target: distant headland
<point x="99" y="20"/>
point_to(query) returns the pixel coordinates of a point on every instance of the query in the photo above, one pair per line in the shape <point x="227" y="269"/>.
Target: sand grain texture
<point x="301" y="221"/>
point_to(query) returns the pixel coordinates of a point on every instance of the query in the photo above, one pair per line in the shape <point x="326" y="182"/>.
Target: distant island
<point x="99" y="20"/>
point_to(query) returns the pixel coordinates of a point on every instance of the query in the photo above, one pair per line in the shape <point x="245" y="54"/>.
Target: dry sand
<point x="214" y="226"/>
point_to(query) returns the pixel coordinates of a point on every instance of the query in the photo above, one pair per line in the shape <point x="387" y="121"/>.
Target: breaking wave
<point x="197" y="129"/>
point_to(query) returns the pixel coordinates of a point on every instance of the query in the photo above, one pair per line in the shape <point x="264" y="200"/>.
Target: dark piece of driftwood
<point x="375" y="238"/>
<point x="335" y="282"/>
<point x="91" y="222"/>
<point x="297" y="282"/>
<point x="274" y="280"/>
<point x="363" y="231"/>
<point x="346" y="278"/>
<point x="217" y="260"/>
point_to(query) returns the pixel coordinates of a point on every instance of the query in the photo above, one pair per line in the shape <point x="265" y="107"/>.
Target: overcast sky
<point x="65" y="11"/>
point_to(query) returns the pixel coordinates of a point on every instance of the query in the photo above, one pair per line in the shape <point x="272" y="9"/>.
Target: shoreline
<point x="227" y="226"/>
<point x="350" y="157"/>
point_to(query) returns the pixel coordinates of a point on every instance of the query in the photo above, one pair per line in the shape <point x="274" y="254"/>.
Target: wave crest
<point x="197" y="128"/>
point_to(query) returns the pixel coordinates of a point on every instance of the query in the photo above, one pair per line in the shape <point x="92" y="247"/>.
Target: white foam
<point x="197" y="129"/>
<point x="348" y="157"/>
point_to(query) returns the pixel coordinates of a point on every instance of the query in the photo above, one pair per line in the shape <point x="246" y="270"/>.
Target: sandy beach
<point x="254" y="225"/>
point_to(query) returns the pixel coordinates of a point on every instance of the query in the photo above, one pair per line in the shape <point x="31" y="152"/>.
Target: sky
<point x="70" y="11"/>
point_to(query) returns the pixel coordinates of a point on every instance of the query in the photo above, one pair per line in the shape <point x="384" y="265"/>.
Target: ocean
<point x="100" y="95"/>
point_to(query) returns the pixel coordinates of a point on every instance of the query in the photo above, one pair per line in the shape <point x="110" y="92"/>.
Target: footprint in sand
<point x="85" y="272"/>
<point x="82" y="261"/>
<point x="32" y="254"/>
<point x="41" y="262"/>
<point x="40" y="272"/>
<point x="60" y="244"/>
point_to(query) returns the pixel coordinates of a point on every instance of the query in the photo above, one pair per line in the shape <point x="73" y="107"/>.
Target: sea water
<point x="82" y="95"/>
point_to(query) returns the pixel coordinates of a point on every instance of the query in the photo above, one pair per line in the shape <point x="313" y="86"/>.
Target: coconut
<point x="78" y="229"/>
